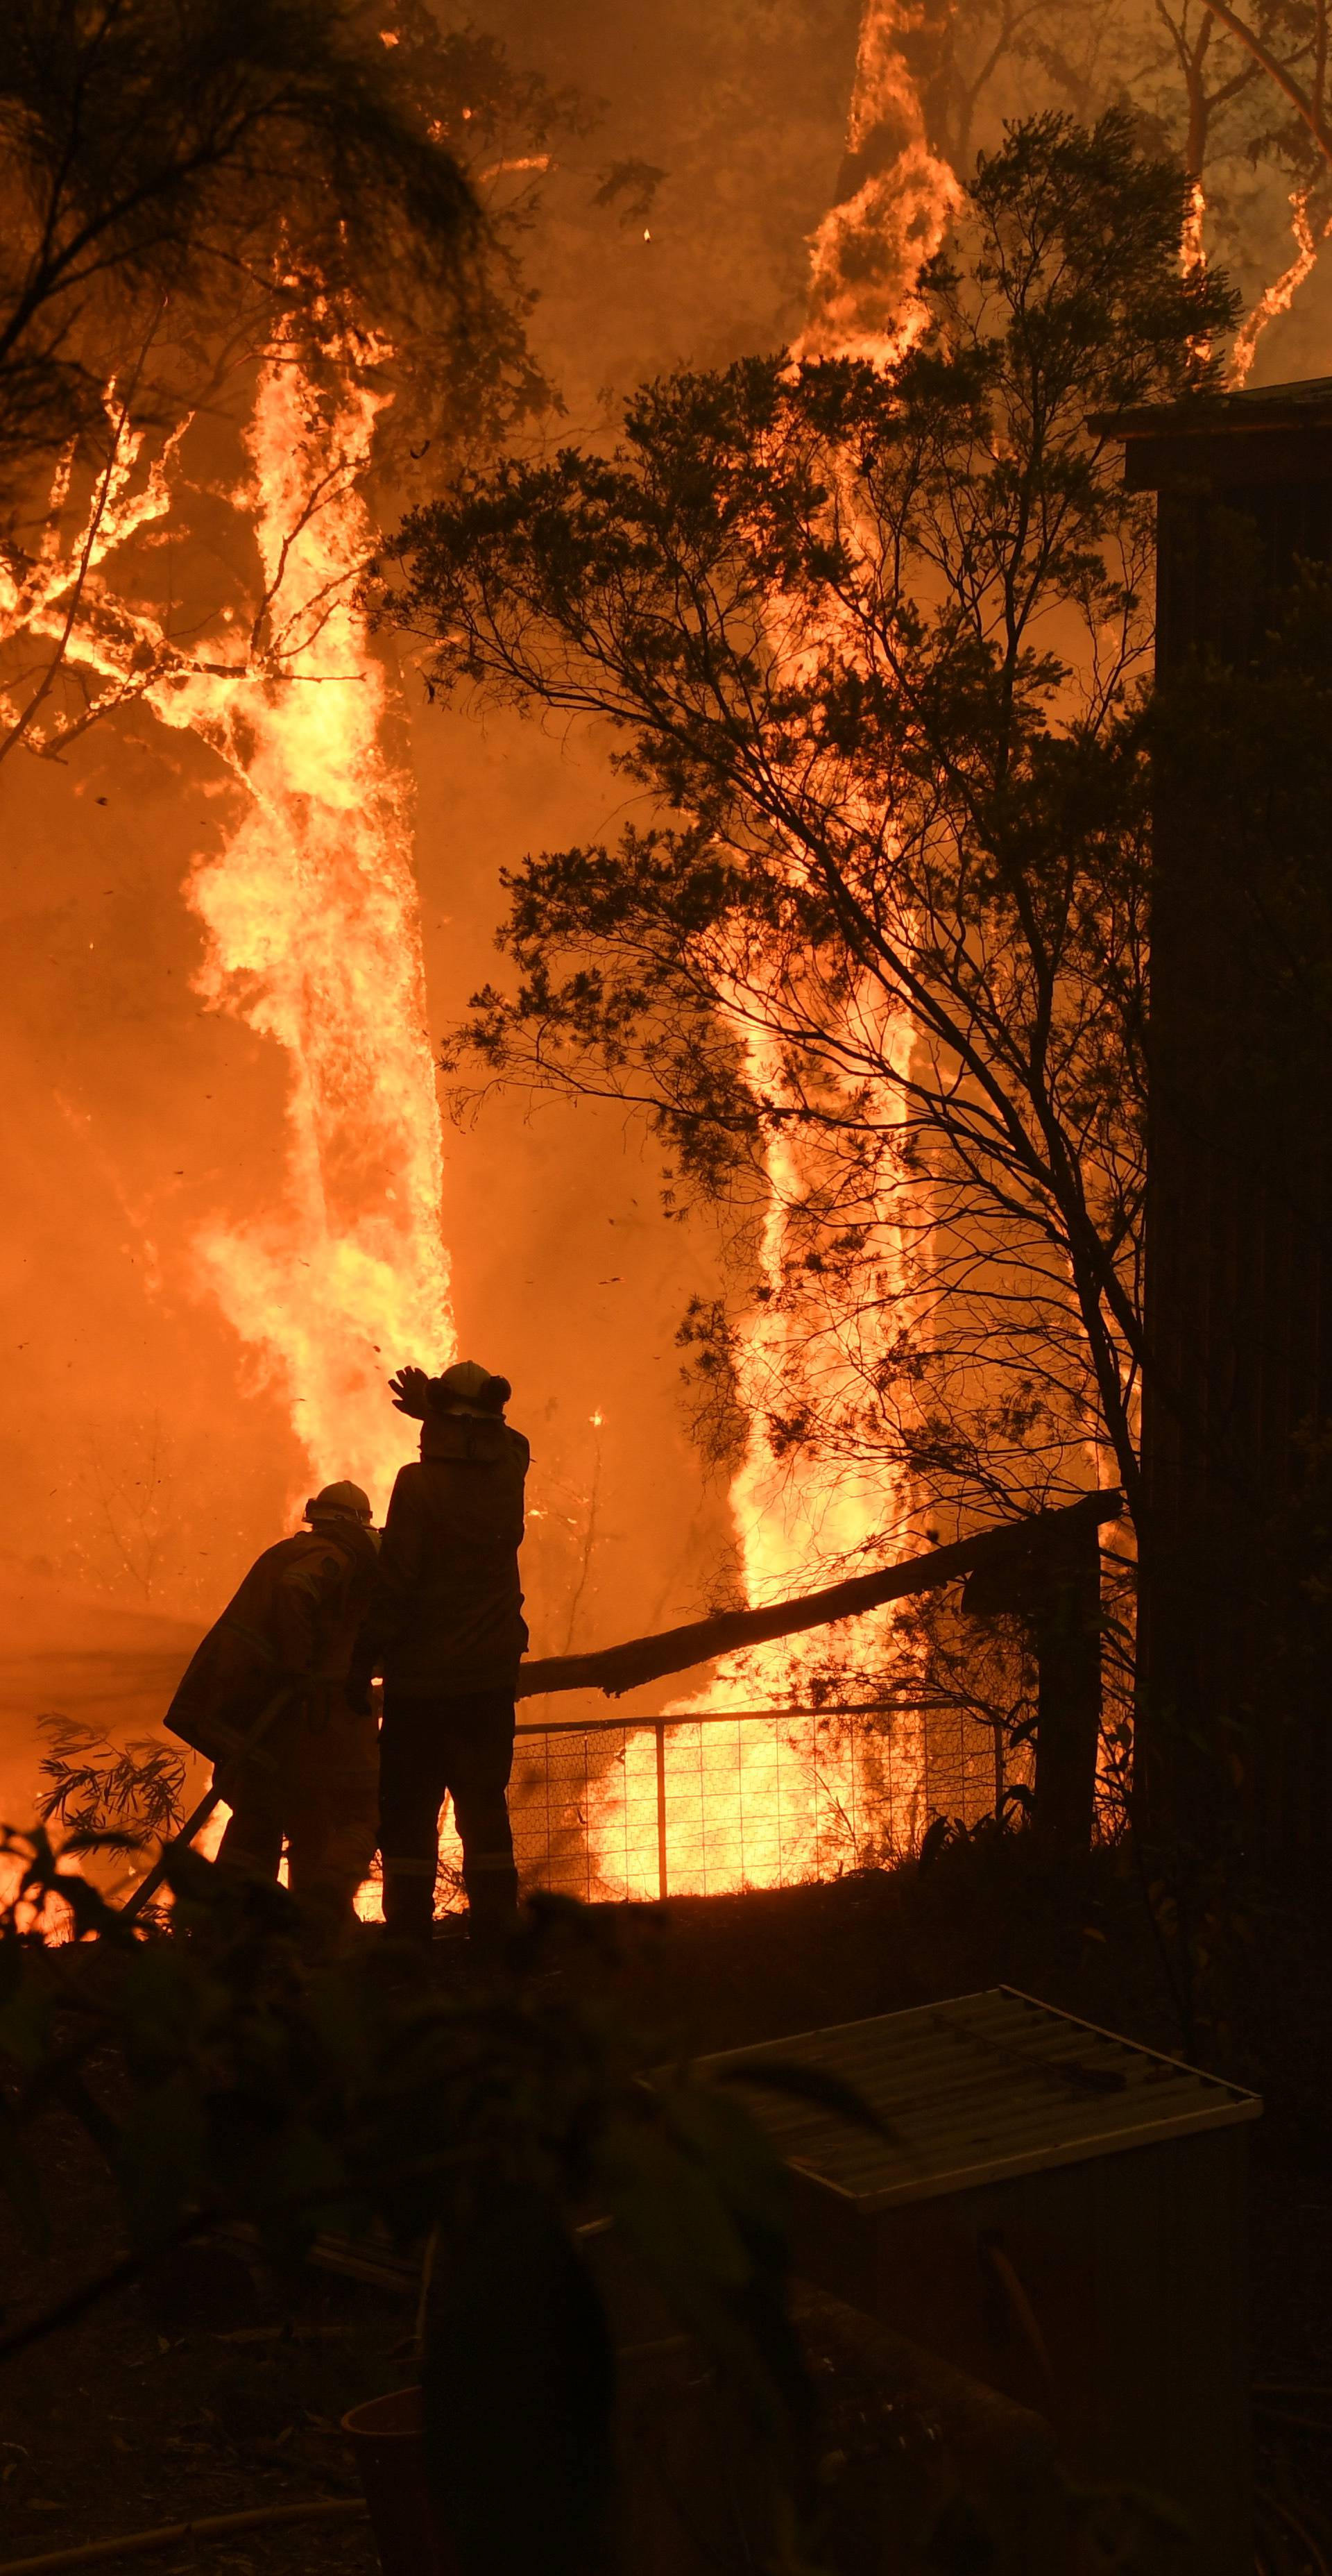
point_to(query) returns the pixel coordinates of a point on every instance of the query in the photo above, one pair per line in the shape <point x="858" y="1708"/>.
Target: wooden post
<point x="1067" y="1634"/>
<point x="660" y="1732"/>
<point x="1055" y="1586"/>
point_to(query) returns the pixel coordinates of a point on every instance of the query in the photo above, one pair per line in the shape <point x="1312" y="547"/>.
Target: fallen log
<point x="617" y="1669"/>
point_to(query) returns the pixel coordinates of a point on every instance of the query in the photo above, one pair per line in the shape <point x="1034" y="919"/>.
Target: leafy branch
<point x="118" y="1795"/>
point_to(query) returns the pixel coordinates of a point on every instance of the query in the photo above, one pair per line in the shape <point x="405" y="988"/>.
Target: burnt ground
<point x="212" y="2387"/>
<point x="207" y="2389"/>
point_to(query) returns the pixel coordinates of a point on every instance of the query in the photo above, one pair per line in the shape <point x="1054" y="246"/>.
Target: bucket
<point x="388" y="2443"/>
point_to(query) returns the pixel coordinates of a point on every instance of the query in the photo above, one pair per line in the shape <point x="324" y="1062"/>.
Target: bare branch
<point x="1304" y="107"/>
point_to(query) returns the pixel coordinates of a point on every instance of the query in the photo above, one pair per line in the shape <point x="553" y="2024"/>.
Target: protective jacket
<point x="447" y="1615"/>
<point x="295" y="1619"/>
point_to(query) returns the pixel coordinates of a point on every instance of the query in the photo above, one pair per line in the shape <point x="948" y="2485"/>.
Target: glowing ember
<point x="523" y="161"/>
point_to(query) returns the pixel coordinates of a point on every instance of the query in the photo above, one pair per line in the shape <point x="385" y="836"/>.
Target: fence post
<point x="660" y="1732"/>
<point x="1068" y="1723"/>
<point x="1054" y="1585"/>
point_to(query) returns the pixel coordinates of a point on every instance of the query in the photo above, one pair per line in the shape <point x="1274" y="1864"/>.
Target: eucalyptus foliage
<point x="182" y="179"/>
<point x="113" y="1796"/>
<point x="872" y="644"/>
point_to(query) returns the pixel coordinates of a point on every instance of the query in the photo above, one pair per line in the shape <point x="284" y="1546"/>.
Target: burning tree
<point x="874" y="641"/>
<point x="1239" y="93"/>
<point x="249" y="250"/>
<point x="152" y="159"/>
<point x="191" y="195"/>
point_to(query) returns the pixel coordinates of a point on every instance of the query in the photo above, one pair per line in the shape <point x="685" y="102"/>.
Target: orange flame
<point x="1280" y="295"/>
<point x="310" y="910"/>
<point x="1192" y="251"/>
<point x="314" y="940"/>
<point x="894" y="200"/>
<point x="895" y="204"/>
<point x="761" y="1806"/>
<point x="311" y="914"/>
<point x="762" y="1815"/>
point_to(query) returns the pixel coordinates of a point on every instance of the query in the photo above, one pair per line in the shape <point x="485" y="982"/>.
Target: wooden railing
<point x="1045" y="1569"/>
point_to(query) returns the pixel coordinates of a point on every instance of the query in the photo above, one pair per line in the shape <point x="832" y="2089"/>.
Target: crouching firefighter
<point x="446" y="1632"/>
<point x="308" y="1779"/>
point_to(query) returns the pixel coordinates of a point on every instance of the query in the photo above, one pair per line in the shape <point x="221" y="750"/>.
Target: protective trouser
<point x="315" y="1792"/>
<point x="430" y="1749"/>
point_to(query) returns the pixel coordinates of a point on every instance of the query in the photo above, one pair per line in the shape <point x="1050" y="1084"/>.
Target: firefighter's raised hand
<point x="410" y="1391"/>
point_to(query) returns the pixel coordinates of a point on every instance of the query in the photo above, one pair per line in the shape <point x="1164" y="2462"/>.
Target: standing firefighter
<point x="447" y="1633"/>
<point x="309" y="1779"/>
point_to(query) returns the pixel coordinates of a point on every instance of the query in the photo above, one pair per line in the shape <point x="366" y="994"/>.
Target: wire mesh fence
<point x="698" y="1805"/>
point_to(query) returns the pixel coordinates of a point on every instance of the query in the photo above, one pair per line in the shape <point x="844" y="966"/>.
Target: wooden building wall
<point x="1239" y="1224"/>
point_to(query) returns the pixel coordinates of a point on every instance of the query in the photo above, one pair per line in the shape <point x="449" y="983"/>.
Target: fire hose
<point x="195" y="1821"/>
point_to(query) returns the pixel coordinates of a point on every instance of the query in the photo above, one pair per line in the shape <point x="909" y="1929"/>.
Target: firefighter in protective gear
<point x="309" y="1781"/>
<point x="446" y="1632"/>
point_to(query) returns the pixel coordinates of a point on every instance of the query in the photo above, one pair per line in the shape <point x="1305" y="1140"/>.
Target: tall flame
<point x="1192" y="239"/>
<point x="752" y="1808"/>
<point x="310" y="910"/>
<point x="314" y="939"/>
<point x="1280" y="295"/>
<point x="311" y="913"/>
<point x="894" y="198"/>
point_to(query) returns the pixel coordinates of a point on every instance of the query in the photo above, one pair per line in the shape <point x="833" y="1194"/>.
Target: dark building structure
<point x="1237" y="1541"/>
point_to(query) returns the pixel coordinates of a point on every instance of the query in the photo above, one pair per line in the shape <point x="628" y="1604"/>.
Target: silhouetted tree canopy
<point x="874" y="644"/>
<point x="166" y="165"/>
<point x="192" y="193"/>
